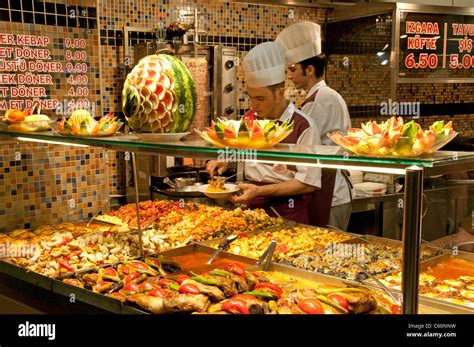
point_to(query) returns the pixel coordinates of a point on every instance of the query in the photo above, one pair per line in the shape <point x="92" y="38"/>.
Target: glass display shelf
<point x="324" y="156"/>
<point x="414" y="169"/>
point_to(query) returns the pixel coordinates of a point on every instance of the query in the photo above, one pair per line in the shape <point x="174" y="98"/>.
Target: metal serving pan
<point x="438" y="303"/>
<point x="61" y="288"/>
<point x="372" y="239"/>
<point x="391" y="242"/>
<point x="201" y="248"/>
<point x="424" y="307"/>
<point x="113" y="305"/>
<point x="287" y="225"/>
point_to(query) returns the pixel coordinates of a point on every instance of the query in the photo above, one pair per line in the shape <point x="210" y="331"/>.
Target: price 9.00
<point x="75" y="43"/>
<point x="425" y="60"/>
<point x="76" y="68"/>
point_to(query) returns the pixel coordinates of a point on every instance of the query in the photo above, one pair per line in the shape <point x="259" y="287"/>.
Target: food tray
<point x="339" y="262"/>
<point x="58" y="287"/>
<point x="285" y="247"/>
<point x="424" y="307"/>
<point x="391" y="242"/>
<point x="115" y="306"/>
<point x="287" y="225"/>
<point x="434" y="302"/>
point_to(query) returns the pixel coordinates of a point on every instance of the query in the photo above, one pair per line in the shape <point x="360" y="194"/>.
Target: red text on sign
<point x="426" y="28"/>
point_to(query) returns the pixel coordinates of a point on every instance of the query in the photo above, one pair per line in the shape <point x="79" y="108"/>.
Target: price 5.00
<point x="424" y="60"/>
<point x="466" y="62"/>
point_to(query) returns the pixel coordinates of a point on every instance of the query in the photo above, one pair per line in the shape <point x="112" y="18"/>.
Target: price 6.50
<point x="424" y="60"/>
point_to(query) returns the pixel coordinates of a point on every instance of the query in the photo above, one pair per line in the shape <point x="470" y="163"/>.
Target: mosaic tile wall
<point x="50" y="183"/>
<point x="40" y="187"/>
<point x="59" y="21"/>
<point x="364" y="81"/>
<point x="116" y="172"/>
<point x="231" y="24"/>
<point x="437" y="93"/>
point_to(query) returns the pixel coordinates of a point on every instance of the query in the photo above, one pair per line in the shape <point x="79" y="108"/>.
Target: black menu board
<point x="436" y="46"/>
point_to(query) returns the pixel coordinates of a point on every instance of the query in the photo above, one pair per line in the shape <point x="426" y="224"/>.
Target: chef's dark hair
<point x="319" y="63"/>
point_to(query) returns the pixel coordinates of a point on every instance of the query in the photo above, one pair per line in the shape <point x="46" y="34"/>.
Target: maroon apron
<point x="319" y="202"/>
<point x="294" y="207"/>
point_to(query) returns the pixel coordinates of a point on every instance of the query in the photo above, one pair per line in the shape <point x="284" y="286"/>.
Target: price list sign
<point x="52" y="71"/>
<point x="436" y="46"/>
<point x="76" y="72"/>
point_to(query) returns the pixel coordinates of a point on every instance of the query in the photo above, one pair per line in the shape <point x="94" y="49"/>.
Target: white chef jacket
<point x="329" y="112"/>
<point x="280" y="173"/>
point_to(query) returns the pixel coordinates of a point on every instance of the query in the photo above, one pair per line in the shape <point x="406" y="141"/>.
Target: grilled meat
<point x="172" y="301"/>
<point x="360" y="302"/>
<point x="186" y="302"/>
<point x="240" y="282"/>
<point x="214" y="293"/>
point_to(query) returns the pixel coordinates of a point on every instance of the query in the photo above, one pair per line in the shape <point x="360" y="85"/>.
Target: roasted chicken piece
<point x="186" y="302"/>
<point x="150" y="303"/>
<point x="284" y="306"/>
<point x="166" y="301"/>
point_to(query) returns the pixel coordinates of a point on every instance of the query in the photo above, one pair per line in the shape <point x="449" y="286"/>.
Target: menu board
<point x="51" y="71"/>
<point x="436" y="46"/>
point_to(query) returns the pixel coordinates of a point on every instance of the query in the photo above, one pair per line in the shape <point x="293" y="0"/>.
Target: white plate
<point x="231" y="188"/>
<point x="157" y="137"/>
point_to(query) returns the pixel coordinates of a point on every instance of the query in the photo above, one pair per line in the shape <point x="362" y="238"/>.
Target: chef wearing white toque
<point x="285" y="188"/>
<point x="302" y="43"/>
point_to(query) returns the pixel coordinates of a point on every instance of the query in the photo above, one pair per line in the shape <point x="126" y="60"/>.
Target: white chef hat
<point x="301" y="41"/>
<point x="264" y="65"/>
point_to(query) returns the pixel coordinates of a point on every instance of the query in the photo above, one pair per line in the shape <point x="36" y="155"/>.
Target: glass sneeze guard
<point x="281" y="152"/>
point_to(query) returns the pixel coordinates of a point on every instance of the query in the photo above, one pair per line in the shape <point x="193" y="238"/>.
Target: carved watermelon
<point x="159" y="95"/>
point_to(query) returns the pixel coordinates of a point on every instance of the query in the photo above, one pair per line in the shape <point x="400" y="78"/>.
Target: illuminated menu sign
<point x="38" y="69"/>
<point x="436" y="45"/>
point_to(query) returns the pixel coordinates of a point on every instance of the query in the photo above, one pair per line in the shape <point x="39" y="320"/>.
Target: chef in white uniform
<point x="306" y="67"/>
<point x="285" y="188"/>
